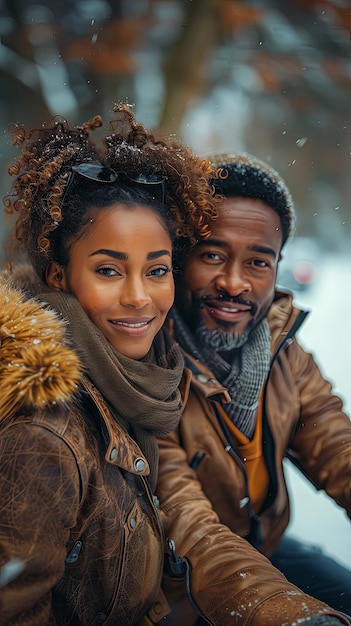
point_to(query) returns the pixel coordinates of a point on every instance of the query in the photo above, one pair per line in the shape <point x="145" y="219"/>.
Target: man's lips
<point x="227" y="309"/>
<point x="231" y="307"/>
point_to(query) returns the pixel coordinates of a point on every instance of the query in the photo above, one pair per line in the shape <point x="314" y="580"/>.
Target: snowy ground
<point x="326" y="333"/>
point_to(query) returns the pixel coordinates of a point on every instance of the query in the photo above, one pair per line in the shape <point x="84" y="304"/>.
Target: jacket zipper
<point x="255" y="534"/>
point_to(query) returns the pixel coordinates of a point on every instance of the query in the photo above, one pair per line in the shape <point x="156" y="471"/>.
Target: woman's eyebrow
<point x="122" y="256"/>
<point x="155" y="255"/>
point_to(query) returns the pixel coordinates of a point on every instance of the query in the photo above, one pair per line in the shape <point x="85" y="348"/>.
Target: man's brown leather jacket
<point x="301" y="419"/>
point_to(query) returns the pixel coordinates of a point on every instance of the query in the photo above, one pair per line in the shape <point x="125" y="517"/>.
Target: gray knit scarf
<point x="143" y="396"/>
<point x="243" y="374"/>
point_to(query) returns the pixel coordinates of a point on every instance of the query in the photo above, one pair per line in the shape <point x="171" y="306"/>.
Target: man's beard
<point x="220" y="340"/>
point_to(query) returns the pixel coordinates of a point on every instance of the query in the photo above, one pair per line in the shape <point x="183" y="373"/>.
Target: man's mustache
<point x="225" y="297"/>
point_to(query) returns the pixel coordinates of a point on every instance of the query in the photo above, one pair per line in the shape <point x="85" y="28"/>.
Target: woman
<point x="88" y="376"/>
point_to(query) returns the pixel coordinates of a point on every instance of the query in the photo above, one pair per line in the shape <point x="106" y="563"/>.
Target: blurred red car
<point x="297" y="269"/>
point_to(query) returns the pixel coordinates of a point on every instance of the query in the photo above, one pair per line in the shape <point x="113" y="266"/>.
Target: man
<point x="256" y="396"/>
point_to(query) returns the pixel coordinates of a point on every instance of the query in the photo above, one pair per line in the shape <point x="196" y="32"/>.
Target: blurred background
<point x="263" y="76"/>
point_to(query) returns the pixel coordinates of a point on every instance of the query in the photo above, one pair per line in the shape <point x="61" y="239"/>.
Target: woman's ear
<point x="55" y="277"/>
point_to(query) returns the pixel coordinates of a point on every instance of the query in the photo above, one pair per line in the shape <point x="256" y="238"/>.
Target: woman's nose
<point x="134" y="293"/>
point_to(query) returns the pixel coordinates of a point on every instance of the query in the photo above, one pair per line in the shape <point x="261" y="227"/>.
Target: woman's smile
<point x="135" y="327"/>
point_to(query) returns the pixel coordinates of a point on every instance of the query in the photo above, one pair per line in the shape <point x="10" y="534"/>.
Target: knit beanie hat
<point x="241" y="174"/>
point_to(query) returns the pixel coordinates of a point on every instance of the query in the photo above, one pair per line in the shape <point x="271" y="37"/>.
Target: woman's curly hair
<point x="47" y="218"/>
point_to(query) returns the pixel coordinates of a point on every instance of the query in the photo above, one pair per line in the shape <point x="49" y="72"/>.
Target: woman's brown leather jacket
<point x="75" y="507"/>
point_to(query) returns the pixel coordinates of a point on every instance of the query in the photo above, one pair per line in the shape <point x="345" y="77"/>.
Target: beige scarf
<point x="143" y="395"/>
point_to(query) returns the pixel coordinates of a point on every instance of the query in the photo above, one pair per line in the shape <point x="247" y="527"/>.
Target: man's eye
<point x="211" y="256"/>
<point x="260" y="263"/>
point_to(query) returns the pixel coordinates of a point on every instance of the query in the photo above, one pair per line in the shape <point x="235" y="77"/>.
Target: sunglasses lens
<point x="149" y="180"/>
<point x="100" y="173"/>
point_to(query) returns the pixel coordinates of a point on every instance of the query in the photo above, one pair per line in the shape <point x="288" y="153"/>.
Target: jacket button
<point x="132" y="522"/>
<point x="113" y="454"/>
<point x="202" y="378"/>
<point x="157" y="608"/>
<point x="101" y="617"/>
<point x="156" y="502"/>
<point x="243" y="502"/>
<point x="139" y="465"/>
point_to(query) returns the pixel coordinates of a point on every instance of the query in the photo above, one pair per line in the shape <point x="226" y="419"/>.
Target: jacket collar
<point x="38" y="369"/>
<point x="283" y="318"/>
<point x="203" y="380"/>
<point x="121" y="449"/>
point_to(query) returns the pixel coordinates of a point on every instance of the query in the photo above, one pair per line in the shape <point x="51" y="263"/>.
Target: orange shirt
<point x="252" y="456"/>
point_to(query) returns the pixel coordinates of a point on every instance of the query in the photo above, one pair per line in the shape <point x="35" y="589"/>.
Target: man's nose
<point x="134" y="293"/>
<point x="233" y="280"/>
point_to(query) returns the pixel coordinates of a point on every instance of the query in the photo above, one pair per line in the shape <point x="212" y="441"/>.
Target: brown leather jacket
<point x="301" y="419"/>
<point x="75" y="506"/>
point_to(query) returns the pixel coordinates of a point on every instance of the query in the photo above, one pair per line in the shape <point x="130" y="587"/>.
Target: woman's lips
<point x="133" y="326"/>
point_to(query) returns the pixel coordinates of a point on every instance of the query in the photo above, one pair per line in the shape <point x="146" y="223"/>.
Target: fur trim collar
<point x="38" y="369"/>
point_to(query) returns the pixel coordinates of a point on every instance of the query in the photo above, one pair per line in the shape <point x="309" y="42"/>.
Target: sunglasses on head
<point x="102" y="174"/>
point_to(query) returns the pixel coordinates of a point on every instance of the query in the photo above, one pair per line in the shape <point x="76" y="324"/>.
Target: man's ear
<point x="55" y="277"/>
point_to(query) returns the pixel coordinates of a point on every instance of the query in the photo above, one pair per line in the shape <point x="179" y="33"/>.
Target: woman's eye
<point x="159" y="271"/>
<point x="107" y="271"/>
